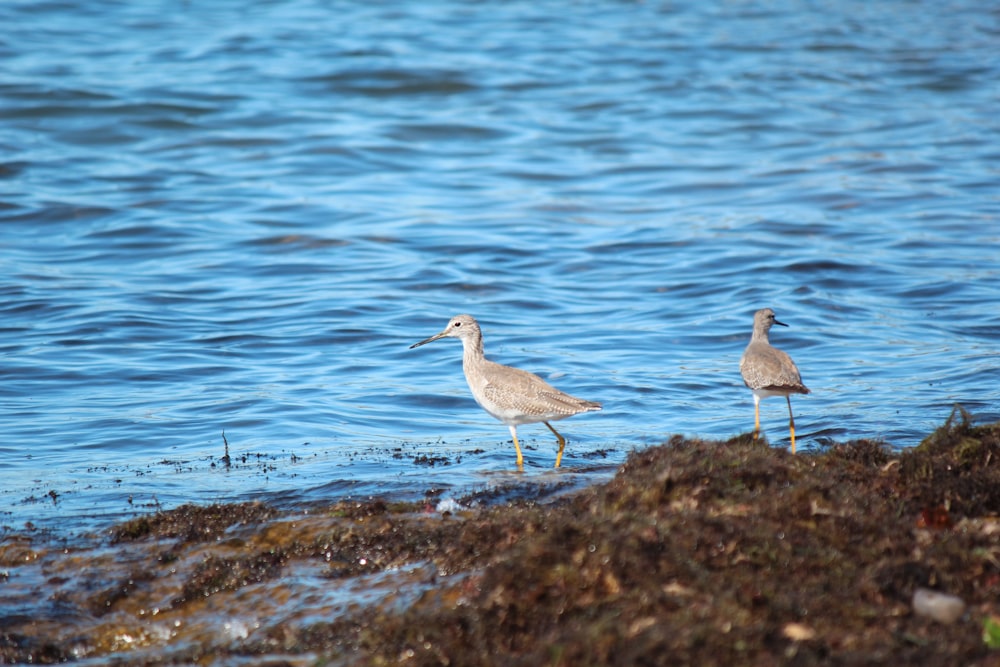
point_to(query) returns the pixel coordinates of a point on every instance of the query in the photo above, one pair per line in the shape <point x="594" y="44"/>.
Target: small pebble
<point x="940" y="607"/>
<point x="798" y="632"/>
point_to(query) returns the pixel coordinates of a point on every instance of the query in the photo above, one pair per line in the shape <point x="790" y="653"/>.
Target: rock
<point x="798" y="632"/>
<point x="940" y="607"/>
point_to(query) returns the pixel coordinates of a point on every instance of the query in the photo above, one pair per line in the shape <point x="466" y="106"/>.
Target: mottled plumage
<point x="768" y="371"/>
<point x="509" y="394"/>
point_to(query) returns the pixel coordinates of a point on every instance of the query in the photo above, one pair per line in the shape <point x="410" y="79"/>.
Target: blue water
<point x="236" y="217"/>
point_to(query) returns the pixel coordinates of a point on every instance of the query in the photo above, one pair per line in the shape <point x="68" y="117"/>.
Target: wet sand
<point x="697" y="552"/>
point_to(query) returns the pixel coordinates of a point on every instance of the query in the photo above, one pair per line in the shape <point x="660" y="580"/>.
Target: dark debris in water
<point x="701" y="553"/>
<point x="431" y="461"/>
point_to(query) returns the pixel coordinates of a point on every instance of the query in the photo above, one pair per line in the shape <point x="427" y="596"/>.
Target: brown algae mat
<point x="696" y="553"/>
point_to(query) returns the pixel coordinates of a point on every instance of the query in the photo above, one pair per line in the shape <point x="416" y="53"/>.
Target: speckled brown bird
<point x="768" y="371"/>
<point x="509" y="394"/>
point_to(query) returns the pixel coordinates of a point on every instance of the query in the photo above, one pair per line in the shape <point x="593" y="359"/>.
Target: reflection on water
<point x="221" y="219"/>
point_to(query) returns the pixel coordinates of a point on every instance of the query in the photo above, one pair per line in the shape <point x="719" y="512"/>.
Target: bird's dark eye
<point x="458" y="324"/>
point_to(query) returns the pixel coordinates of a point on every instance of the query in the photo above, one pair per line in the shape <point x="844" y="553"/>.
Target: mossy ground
<point x="702" y="553"/>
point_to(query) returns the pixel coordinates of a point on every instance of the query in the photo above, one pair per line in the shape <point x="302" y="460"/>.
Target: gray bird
<point x="509" y="394"/>
<point x="768" y="371"/>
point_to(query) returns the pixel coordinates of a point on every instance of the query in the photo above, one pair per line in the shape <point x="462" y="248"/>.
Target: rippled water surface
<point x="236" y="217"/>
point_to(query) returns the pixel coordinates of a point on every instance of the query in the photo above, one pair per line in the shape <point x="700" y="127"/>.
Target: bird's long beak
<point x="775" y="321"/>
<point x="429" y="340"/>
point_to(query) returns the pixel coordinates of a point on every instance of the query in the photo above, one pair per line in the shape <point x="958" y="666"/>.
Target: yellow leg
<point x="562" y="443"/>
<point x="517" y="447"/>
<point x="791" y="421"/>
<point x="756" y="417"/>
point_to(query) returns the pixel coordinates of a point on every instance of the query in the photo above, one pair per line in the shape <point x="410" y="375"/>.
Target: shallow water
<point x="218" y="218"/>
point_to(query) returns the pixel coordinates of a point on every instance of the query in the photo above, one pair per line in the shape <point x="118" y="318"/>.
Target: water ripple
<point x="230" y="218"/>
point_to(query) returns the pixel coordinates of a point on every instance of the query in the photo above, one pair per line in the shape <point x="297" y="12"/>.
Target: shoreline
<point x="696" y="552"/>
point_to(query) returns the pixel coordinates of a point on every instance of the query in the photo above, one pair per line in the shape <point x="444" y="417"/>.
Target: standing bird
<point x="509" y="394"/>
<point x="768" y="371"/>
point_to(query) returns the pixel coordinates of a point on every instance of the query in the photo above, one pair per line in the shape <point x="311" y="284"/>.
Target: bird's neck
<point x="472" y="350"/>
